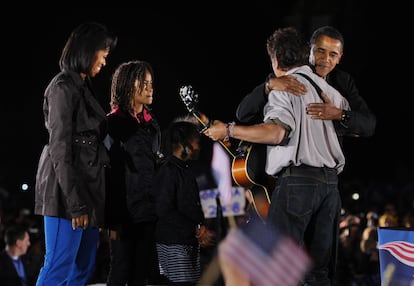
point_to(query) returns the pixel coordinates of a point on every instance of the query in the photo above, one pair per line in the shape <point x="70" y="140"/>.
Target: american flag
<point x="267" y="257"/>
<point x="396" y="253"/>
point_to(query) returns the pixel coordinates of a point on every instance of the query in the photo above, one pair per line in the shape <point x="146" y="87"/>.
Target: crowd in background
<point x="379" y="204"/>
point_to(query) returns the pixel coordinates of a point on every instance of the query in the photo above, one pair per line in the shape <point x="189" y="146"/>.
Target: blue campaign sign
<point x="234" y="208"/>
<point x="396" y="251"/>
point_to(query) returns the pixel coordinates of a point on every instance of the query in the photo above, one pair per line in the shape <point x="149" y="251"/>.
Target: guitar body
<point x="249" y="160"/>
<point x="248" y="170"/>
<point x="248" y="166"/>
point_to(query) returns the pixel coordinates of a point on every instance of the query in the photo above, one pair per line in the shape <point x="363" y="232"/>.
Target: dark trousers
<point x="306" y="205"/>
<point x="134" y="259"/>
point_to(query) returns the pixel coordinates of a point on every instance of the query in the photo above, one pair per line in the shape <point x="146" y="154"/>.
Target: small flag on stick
<point x="264" y="255"/>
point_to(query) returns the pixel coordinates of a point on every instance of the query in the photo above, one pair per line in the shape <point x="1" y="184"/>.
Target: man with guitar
<point x="326" y="51"/>
<point x="304" y="154"/>
<point x="327" y="45"/>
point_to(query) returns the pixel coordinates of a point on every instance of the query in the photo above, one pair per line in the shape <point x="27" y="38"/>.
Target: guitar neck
<point x="206" y="123"/>
<point x="190" y="99"/>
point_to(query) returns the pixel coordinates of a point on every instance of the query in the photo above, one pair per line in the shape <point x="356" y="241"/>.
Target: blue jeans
<point x="70" y="254"/>
<point x="306" y="205"/>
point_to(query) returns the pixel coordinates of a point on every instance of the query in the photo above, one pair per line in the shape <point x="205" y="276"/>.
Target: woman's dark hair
<point x="82" y="44"/>
<point x="123" y="83"/>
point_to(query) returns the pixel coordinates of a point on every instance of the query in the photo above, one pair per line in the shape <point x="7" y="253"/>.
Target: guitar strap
<point x="318" y="89"/>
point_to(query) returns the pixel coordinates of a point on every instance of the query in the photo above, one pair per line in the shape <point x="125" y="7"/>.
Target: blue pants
<point x="306" y="205"/>
<point x="70" y="254"/>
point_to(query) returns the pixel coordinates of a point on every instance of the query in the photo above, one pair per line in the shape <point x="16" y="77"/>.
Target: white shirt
<point x="311" y="142"/>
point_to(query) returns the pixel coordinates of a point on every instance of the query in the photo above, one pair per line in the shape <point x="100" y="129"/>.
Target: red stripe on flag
<point x="286" y="265"/>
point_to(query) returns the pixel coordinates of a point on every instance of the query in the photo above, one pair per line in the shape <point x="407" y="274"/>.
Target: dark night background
<point x="221" y="52"/>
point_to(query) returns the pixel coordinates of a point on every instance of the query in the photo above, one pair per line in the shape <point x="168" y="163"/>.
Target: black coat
<point x="70" y="179"/>
<point x="133" y="162"/>
<point x="362" y="121"/>
<point x="178" y="205"/>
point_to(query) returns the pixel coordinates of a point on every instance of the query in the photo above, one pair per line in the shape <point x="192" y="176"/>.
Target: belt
<point x="308" y="171"/>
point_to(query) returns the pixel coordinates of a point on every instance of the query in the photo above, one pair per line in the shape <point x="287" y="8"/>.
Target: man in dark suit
<point x="13" y="264"/>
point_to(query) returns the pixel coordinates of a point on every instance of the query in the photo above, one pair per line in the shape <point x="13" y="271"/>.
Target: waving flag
<point x="265" y="256"/>
<point x="396" y="251"/>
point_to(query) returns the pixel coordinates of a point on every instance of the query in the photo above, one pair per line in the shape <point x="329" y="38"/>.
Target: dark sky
<point x="220" y="51"/>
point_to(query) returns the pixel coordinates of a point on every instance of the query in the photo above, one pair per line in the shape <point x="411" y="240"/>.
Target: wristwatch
<point x="345" y="116"/>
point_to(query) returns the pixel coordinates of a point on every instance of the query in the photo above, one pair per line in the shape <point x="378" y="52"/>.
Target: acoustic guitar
<point x="248" y="160"/>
